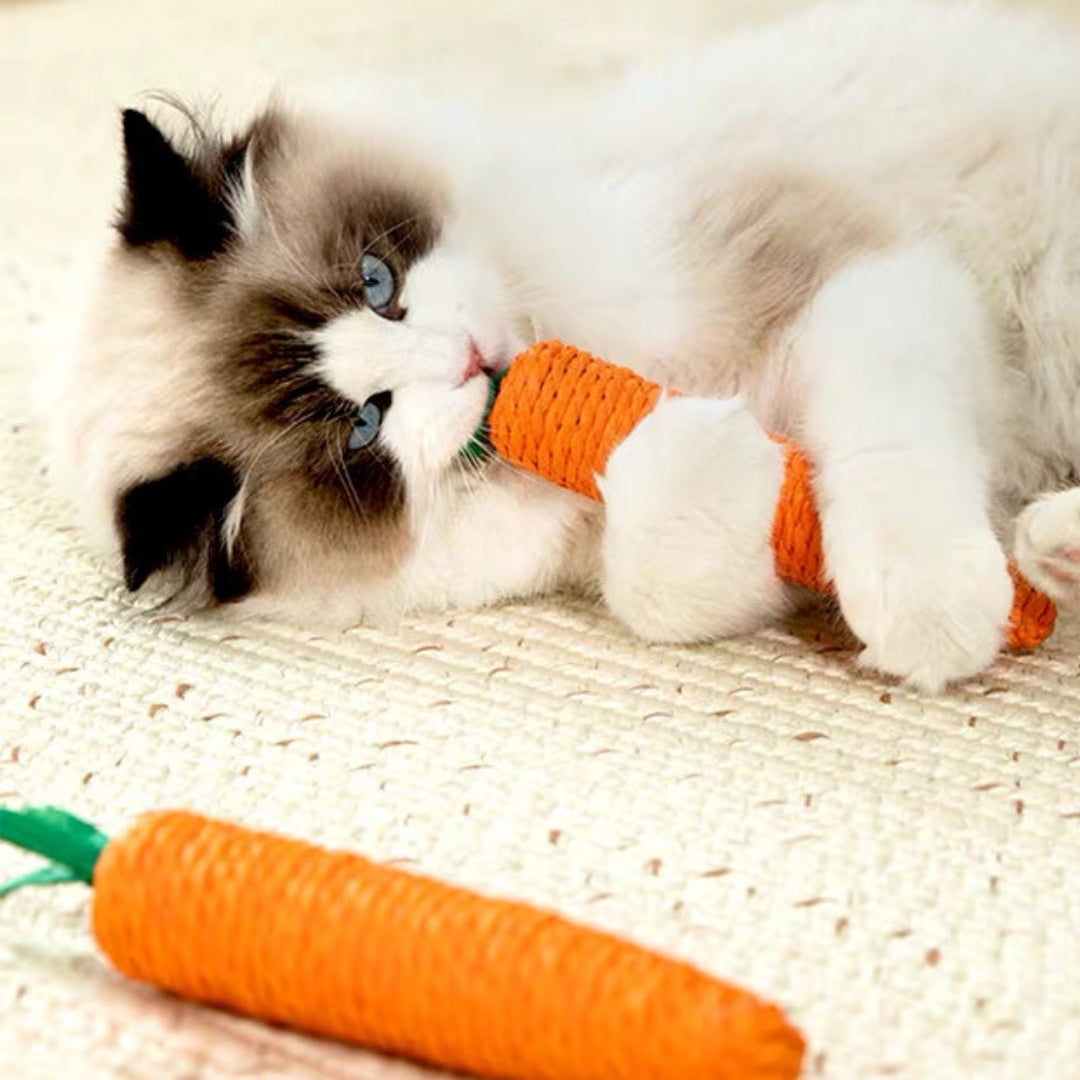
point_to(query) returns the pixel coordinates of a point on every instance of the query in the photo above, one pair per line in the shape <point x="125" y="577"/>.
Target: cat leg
<point x="1047" y="545"/>
<point x="689" y="499"/>
<point x="889" y="361"/>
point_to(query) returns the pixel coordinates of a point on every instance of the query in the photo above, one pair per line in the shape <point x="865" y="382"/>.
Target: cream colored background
<point x="900" y="873"/>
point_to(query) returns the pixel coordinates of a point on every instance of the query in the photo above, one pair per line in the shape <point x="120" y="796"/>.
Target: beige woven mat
<point x="899" y="873"/>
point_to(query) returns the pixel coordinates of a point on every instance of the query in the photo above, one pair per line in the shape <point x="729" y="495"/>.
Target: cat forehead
<point x="323" y="186"/>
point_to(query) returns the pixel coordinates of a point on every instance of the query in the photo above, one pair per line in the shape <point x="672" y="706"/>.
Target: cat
<point x="859" y="227"/>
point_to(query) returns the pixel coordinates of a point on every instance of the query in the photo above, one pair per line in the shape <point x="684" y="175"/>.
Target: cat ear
<point x="177" y="522"/>
<point x="170" y="198"/>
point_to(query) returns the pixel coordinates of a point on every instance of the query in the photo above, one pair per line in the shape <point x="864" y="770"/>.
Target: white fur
<point x="691" y="495"/>
<point x="109" y="397"/>
<point x="893" y="361"/>
<point x="456" y="290"/>
<point x="473" y="547"/>
<point x="512" y="539"/>
<point x="1047" y="545"/>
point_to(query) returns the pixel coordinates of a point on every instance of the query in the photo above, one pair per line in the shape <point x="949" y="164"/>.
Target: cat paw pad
<point x="1047" y="545"/>
<point x="932" y="619"/>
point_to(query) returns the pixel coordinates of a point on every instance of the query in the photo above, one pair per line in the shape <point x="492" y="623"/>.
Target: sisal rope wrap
<point x="329" y="942"/>
<point x="560" y="412"/>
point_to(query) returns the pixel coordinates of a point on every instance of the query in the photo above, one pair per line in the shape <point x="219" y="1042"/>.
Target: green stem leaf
<point x="71" y="845"/>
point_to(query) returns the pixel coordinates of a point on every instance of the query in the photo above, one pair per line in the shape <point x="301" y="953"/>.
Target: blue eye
<point x="368" y="421"/>
<point x="379" y="283"/>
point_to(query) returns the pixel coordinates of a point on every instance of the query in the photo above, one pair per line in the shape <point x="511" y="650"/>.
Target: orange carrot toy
<point x="333" y="944"/>
<point x="560" y="412"/>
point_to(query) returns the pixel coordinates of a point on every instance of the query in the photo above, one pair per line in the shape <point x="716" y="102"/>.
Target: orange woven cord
<point x="796" y="530"/>
<point x="796" y="541"/>
<point x="560" y="412"/>
<point x="1033" y="614"/>
<point x="334" y="944"/>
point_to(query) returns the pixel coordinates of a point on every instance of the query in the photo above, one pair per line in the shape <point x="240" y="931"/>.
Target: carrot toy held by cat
<point x="559" y="412"/>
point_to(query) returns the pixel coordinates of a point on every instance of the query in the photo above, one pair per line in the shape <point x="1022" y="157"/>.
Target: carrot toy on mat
<point x="331" y="943"/>
<point x="559" y="412"/>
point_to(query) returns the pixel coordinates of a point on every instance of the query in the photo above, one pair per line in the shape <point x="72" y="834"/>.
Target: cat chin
<point x="428" y="427"/>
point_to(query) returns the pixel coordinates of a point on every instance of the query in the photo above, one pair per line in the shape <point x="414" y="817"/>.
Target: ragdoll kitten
<point x="861" y="227"/>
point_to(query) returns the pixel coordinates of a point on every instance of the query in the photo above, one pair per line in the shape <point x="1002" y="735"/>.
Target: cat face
<point x="288" y="351"/>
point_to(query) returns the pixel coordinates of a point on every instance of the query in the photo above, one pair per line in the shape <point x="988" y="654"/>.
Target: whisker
<point x="337" y="459"/>
<point x="302" y="270"/>
<point x="403" y="224"/>
<point x="235" y="515"/>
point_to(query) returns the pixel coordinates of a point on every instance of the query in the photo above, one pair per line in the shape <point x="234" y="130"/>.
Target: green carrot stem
<point x="478" y="446"/>
<point x="71" y="845"/>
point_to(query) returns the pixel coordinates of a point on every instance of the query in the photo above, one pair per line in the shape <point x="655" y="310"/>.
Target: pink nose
<point x="474" y="364"/>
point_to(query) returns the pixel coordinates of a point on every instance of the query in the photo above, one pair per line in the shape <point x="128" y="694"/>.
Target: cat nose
<point x="474" y="363"/>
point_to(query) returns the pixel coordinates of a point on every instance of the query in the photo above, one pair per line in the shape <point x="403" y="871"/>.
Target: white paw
<point x="1047" y="545"/>
<point x="931" y="618"/>
<point x="689" y="499"/>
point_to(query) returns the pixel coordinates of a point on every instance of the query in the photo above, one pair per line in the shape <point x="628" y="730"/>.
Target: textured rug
<point x="899" y="873"/>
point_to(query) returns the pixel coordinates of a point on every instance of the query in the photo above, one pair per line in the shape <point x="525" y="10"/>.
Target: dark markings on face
<point x="175" y="200"/>
<point x="176" y="522"/>
<point x="282" y="429"/>
<point x="270" y="368"/>
<point x="269" y="355"/>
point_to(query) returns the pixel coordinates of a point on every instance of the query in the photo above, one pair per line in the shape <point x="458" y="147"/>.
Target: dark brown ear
<point x="176" y="522"/>
<point x="173" y="199"/>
